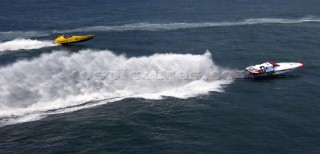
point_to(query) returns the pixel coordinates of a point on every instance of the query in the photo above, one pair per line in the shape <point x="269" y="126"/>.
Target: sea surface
<point x="160" y="76"/>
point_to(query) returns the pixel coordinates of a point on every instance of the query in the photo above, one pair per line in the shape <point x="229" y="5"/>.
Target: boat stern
<point x="60" y="40"/>
<point x="252" y="70"/>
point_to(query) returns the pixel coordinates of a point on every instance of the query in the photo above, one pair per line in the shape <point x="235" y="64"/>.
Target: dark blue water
<point x="43" y="110"/>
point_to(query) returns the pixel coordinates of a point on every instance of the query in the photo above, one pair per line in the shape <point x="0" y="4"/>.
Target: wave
<point x="27" y="44"/>
<point x="145" y="26"/>
<point x="62" y="82"/>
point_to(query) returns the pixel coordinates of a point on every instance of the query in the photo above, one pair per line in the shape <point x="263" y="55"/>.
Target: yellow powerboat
<point x="72" y="39"/>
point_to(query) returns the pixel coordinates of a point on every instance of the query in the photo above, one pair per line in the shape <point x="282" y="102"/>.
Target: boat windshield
<point x="66" y="36"/>
<point x="273" y="63"/>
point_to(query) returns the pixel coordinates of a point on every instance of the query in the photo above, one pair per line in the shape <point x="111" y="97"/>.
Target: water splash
<point x="64" y="82"/>
<point x="26" y="44"/>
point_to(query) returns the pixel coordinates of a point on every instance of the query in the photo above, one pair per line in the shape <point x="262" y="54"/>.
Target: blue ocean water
<point x="159" y="77"/>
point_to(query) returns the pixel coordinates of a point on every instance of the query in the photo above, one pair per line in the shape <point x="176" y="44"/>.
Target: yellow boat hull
<point x="72" y="39"/>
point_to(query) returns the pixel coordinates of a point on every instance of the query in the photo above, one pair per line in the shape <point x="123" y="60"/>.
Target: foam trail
<point x="21" y="119"/>
<point x="9" y="35"/>
<point x="145" y="26"/>
<point x="62" y="82"/>
<point x="26" y="44"/>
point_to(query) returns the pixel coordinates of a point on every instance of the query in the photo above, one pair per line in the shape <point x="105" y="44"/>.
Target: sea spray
<point x="26" y="44"/>
<point x="63" y="81"/>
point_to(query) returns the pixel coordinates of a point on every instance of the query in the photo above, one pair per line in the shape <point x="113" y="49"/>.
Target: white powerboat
<point x="273" y="68"/>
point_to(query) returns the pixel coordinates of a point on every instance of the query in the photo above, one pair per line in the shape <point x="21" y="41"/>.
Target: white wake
<point x="9" y="35"/>
<point x="26" y="44"/>
<point x="145" y="26"/>
<point x="148" y="26"/>
<point x="63" y="82"/>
